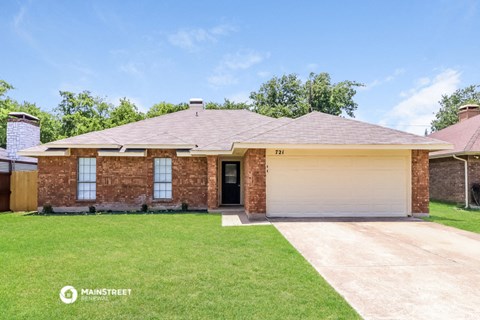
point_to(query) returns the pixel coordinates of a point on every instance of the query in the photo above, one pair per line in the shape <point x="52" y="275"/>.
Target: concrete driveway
<point x="394" y="269"/>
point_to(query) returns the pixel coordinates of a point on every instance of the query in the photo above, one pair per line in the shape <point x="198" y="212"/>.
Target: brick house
<point x="453" y="172"/>
<point x="316" y="165"/>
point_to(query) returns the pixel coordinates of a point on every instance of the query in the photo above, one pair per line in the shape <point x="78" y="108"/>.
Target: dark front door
<point x="231" y="182"/>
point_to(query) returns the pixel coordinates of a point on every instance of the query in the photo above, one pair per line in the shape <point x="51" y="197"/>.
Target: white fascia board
<point x="122" y="154"/>
<point x="57" y="153"/>
<point x="450" y="154"/>
<point x="211" y="152"/>
<point x="435" y="147"/>
<point x="84" y="146"/>
<point x="159" y="146"/>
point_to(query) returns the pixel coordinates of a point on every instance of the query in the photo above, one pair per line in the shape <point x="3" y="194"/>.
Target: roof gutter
<point x="465" y="164"/>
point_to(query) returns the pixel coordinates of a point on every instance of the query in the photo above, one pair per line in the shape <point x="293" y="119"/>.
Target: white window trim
<point x="159" y="182"/>
<point x="79" y="181"/>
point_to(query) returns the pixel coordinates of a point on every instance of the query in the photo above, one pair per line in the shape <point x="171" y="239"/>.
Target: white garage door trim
<point x="338" y="183"/>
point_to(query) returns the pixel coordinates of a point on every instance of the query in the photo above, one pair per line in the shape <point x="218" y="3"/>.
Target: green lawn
<point x="452" y="215"/>
<point x="177" y="265"/>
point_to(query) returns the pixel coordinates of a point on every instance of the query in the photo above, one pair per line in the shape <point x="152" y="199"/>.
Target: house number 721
<point x="279" y="151"/>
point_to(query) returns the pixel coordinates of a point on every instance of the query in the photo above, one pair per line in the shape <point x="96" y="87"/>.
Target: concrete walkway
<point x="236" y="217"/>
<point x="394" y="269"/>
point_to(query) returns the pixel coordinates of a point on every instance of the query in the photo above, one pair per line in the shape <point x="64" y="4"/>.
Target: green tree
<point x="449" y="104"/>
<point x="81" y="113"/>
<point x="330" y="98"/>
<point x="287" y="96"/>
<point x="227" y="105"/>
<point x="163" y="107"/>
<point x="213" y="105"/>
<point x="124" y="113"/>
<point x="280" y="97"/>
<point x="4" y="87"/>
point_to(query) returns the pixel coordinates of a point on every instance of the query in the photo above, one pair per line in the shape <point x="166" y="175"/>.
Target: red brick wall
<point x="123" y="183"/>
<point x="447" y="178"/>
<point x="420" y="180"/>
<point x="473" y="175"/>
<point x="255" y="183"/>
<point x="447" y="181"/>
<point x="212" y="182"/>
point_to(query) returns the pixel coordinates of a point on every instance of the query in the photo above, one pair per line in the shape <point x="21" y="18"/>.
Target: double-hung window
<point x="162" y="178"/>
<point x="87" y="179"/>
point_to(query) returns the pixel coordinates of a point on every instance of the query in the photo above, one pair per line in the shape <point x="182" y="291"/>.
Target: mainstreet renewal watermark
<point x="69" y="294"/>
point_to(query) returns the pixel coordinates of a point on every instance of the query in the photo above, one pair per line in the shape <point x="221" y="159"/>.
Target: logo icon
<point x="68" y="294"/>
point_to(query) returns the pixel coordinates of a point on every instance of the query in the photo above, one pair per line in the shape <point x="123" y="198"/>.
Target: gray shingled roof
<point x="217" y="130"/>
<point x="322" y="128"/>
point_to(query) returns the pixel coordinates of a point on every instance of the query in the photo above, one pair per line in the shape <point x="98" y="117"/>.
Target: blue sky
<point x="407" y="53"/>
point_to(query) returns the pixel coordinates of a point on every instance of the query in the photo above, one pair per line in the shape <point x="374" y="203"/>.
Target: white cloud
<point x="131" y="69"/>
<point x="136" y="101"/>
<point x="220" y="80"/>
<point x="240" y="97"/>
<point x="416" y="111"/>
<point x="242" y="60"/>
<point x="19" y="26"/>
<point x="224" y="72"/>
<point x="263" y="74"/>
<point x="191" y="39"/>
<point x="377" y="82"/>
<point x="223" y="30"/>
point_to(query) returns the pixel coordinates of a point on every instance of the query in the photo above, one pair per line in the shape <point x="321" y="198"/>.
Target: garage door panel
<point x="337" y="186"/>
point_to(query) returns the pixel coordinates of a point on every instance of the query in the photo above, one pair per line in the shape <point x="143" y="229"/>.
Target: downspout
<point x="466" y="178"/>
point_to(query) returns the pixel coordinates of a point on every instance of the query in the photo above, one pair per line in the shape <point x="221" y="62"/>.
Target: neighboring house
<point x="316" y="165"/>
<point x="453" y="172"/>
<point x="23" y="131"/>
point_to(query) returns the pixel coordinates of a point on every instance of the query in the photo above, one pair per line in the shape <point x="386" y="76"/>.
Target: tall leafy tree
<point x="280" y="97"/>
<point x="330" y="98"/>
<point x="81" y="113"/>
<point x="124" y="113"/>
<point x="288" y="96"/>
<point x="227" y="105"/>
<point x="449" y="104"/>
<point x="163" y="107"/>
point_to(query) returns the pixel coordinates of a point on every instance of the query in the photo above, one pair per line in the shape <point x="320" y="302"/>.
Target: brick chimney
<point x="468" y="111"/>
<point x="23" y="131"/>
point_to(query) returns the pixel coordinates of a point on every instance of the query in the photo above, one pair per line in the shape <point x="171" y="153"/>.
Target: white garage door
<point x="338" y="186"/>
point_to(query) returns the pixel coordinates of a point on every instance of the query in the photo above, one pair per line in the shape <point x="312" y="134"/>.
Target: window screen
<point x="162" y="183"/>
<point x="87" y="179"/>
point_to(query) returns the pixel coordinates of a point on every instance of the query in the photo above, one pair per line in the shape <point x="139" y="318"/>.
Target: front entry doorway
<point x="231" y="182"/>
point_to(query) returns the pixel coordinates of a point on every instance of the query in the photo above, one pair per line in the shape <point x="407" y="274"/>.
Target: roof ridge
<point x="379" y="126"/>
<point x="157" y="134"/>
<point x="240" y="132"/>
<point x="472" y="140"/>
<point x="109" y="137"/>
<point x="281" y="126"/>
<point x="458" y="124"/>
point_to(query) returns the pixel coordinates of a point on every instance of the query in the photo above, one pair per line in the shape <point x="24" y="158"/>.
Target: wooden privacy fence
<point x="23" y="185"/>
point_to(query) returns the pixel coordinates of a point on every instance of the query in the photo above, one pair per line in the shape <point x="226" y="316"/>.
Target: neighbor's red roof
<point x="465" y="137"/>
